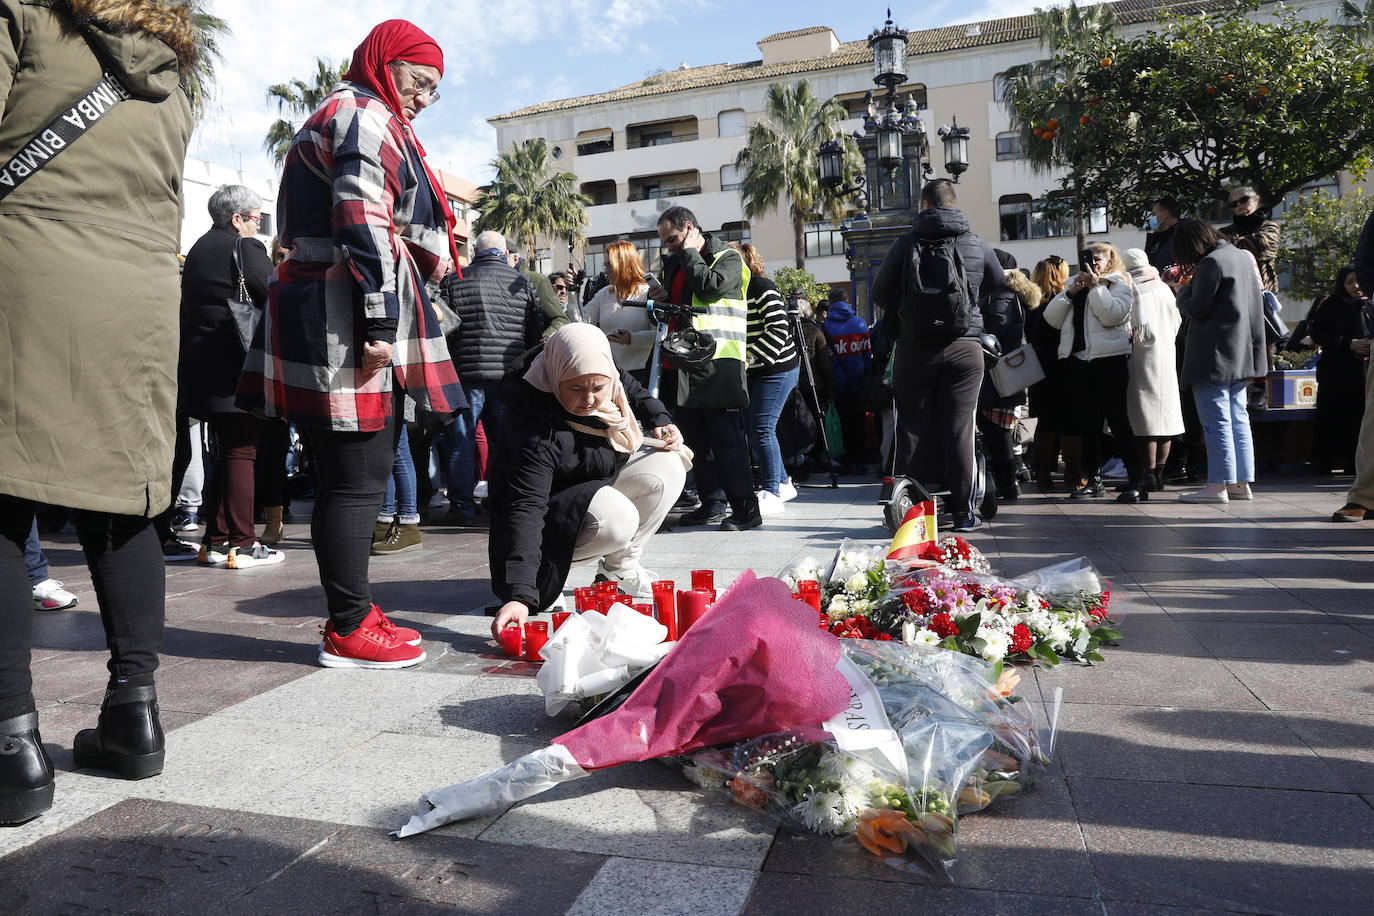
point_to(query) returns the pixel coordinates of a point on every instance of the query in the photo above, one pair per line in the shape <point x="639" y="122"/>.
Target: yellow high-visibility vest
<point x="727" y="320"/>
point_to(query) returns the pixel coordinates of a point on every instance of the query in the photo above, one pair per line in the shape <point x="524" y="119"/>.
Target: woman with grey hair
<point x="222" y="262"/>
<point x="1254" y="231"/>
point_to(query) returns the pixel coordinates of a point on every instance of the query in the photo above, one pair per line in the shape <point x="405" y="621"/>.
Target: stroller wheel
<point x="898" y="504"/>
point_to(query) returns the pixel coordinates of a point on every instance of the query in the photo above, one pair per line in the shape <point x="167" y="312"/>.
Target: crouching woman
<point x="572" y="478"/>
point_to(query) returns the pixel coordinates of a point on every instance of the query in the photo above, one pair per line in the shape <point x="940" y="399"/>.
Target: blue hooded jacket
<point x="849" y="339"/>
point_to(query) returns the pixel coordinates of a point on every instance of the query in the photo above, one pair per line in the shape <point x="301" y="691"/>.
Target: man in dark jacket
<point x="936" y="375"/>
<point x="501" y="317"/>
<point x="1159" y="241"/>
<point x="710" y="276"/>
<point x="851" y="353"/>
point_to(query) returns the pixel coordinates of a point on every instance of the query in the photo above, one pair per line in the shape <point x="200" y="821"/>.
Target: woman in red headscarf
<point x="348" y="330"/>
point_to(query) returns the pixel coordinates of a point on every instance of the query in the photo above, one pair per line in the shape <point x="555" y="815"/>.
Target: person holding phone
<point x="629" y="328"/>
<point x="573" y="476"/>
<point x="1093" y="315"/>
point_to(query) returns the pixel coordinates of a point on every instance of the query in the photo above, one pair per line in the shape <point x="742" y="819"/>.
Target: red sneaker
<point x="404" y="634"/>
<point x="370" y="646"/>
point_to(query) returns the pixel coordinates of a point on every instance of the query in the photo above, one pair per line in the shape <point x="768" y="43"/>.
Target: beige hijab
<point x="582" y="349"/>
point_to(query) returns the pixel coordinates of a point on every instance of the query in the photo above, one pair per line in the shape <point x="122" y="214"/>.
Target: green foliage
<point x="1319" y="236"/>
<point x="197" y="81"/>
<point x="299" y="99"/>
<point x="801" y="281"/>
<point x="1199" y="105"/>
<point x="527" y="198"/>
<point x="780" y="158"/>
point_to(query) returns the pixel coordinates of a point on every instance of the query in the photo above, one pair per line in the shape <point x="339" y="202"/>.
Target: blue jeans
<point x="461" y="437"/>
<point x="401" y="483"/>
<point x="767" y="395"/>
<point x="1225" y="431"/>
<point x="34" y="557"/>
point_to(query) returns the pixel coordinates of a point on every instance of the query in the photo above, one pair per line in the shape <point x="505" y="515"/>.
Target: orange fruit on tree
<point x="1084" y="121"/>
<point x="1105" y="62"/>
<point x="1263" y="90"/>
<point x="1052" y="124"/>
<point x="1211" y="90"/>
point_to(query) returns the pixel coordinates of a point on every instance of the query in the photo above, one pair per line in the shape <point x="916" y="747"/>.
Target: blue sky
<point x="502" y="56"/>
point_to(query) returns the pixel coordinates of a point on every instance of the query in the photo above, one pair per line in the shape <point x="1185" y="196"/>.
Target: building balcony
<point x="713" y="208"/>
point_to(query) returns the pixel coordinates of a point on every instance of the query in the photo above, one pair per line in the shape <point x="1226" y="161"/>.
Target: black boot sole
<point x="21" y="807"/>
<point x="137" y="766"/>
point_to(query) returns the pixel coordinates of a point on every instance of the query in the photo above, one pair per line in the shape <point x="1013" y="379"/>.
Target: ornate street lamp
<point x="831" y="164"/>
<point x="889" y="54"/>
<point x="956" y="149"/>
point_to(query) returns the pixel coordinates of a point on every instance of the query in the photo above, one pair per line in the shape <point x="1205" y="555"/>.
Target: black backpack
<point x="939" y="306"/>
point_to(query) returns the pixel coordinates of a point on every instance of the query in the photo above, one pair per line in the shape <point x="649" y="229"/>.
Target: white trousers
<point x="622" y="516"/>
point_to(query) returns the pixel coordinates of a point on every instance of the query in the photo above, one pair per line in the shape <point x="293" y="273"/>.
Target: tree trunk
<point x="1079" y="235"/>
<point x="799" y="240"/>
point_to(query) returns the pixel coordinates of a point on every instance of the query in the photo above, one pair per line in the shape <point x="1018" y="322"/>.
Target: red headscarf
<point x="397" y="39"/>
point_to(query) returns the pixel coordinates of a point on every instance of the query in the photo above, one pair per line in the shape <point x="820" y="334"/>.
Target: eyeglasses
<point x="257" y="220"/>
<point x="1244" y="199"/>
<point x="559" y="288"/>
<point x="425" y="88"/>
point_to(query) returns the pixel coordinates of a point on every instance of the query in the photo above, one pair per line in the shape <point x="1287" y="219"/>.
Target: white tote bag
<point x="1017" y="371"/>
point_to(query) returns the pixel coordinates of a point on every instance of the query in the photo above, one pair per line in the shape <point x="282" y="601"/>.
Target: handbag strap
<point x="238" y="272"/>
<point x="70" y="124"/>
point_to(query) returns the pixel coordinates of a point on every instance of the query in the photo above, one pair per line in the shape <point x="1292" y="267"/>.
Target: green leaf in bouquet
<point x="1107" y="634"/>
<point x="1046" y="654"/>
<point x="1094" y="656"/>
<point x="969" y="625"/>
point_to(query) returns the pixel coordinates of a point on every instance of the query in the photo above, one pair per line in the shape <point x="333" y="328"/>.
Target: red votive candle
<point x="606" y="587"/>
<point x="560" y="618"/>
<point x="703" y="578"/>
<point x="808" y="585"/>
<point x="712" y="593"/>
<point x="582" y="598"/>
<point x="646" y="609"/>
<point x="813" y="599"/>
<point x="512" y="640"/>
<point x="665" y="604"/>
<point x="536" y="634"/>
<point x="691" y="606"/>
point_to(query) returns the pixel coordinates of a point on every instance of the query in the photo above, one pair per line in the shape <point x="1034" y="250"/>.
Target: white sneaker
<point x="1205" y="495"/>
<point x="788" y="491"/>
<point x="635" y="580"/>
<point x="49" y="595"/>
<point x="249" y="557"/>
<point x="1240" y="491"/>
<point x="770" y="505"/>
<point x="480" y="491"/>
<point x="209" y="557"/>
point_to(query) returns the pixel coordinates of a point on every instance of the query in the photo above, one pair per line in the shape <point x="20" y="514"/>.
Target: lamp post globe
<point x="890" y="137"/>
<point x="956" y="149"/>
<point x="889" y="54"/>
<point x="831" y="161"/>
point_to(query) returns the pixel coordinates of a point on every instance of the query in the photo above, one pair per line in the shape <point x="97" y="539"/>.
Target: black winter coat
<point x="543" y="475"/>
<point x="894" y="280"/>
<point x="1004" y="317"/>
<point x="501" y="315"/>
<point x="1334" y="324"/>
<point x="721" y="382"/>
<point x="211" y="355"/>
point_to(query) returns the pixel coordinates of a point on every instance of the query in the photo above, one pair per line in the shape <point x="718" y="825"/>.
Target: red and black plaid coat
<point x="366" y="233"/>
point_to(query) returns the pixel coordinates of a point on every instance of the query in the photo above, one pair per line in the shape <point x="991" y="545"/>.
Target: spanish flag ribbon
<point x="916" y="531"/>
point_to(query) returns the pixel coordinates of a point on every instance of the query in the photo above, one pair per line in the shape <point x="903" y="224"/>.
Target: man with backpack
<point x="931" y="287"/>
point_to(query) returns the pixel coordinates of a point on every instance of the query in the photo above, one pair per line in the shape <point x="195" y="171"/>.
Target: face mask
<point x="1152" y="223"/>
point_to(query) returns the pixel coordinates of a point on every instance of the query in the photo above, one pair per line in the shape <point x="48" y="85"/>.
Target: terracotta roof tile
<point x="849" y="54"/>
<point x="778" y="36"/>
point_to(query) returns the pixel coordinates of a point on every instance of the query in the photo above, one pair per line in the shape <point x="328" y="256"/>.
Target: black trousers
<point x="1336" y="430"/>
<point x="849" y="404"/>
<point x="717" y="437"/>
<point x="999" y="444"/>
<point x="936" y="392"/>
<point x="269" y="472"/>
<point x="181" y="460"/>
<point x="1098" y="392"/>
<point x="351" y="472"/>
<point x="126" y="567"/>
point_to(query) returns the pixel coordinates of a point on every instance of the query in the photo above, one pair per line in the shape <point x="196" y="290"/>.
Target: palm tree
<point x="780" y="158"/>
<point x="197" y="81"/>
<point x="1359" y="19"/>
<point x="527" y="199"/>
<point x="299" y="99"/>
<point x="1061" y="29"/>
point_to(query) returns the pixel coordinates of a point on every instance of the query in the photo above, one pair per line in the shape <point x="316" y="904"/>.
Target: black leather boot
<point x="128" y="739"/>
<point x="25" y="771"/>
<point x="744" y="515"/>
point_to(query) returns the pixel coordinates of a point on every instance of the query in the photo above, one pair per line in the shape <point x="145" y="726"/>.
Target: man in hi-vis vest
<point x="703" y="272"/>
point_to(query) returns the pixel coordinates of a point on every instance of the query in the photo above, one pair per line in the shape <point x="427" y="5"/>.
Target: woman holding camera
<point x="572" y="477"/>
<point x="1093" y="315"/>
<point x="629" y="328"/>
<point x="1341" y="324"/>
<point x="1224" y="348"/>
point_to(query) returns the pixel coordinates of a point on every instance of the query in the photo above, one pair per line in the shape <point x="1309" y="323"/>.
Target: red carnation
<point x="1021" y="639"/>
<point x="943" y="625"/>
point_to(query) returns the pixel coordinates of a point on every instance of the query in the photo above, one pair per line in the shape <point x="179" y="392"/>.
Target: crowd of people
<point x="567" y="415"/>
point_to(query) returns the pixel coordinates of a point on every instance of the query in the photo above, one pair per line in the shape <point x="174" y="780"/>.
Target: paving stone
<point x="1328" y="641"/>
<point x="1311" y="686"/>
<point x="363" y="699"/>
<point x="58" y="723"/>
<point x="787" y="895"/>
<point x="1148" y="679"/>
<point x="645" y="811"/>
<point x="506" y="707"/>
<point x="152" y="857"/>
<point x="631" y="887"/>
<point x="1345" y="743"/>
<point x="70" y="806"/>
<point x="1252" y="850"/>
<point x="359" y="871"/>
<point x="1198" y="746"/>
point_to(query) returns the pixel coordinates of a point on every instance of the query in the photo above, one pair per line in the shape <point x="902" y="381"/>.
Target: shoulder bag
<point x="245" y="314"/>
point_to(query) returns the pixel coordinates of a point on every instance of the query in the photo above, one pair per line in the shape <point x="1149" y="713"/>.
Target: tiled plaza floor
<point x="1222" y="759"/>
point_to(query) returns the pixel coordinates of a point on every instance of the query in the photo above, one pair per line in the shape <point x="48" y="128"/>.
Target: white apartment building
<point x="672" y="139"/>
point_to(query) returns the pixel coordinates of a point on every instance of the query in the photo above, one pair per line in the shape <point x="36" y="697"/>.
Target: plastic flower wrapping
<point x="929" y="736"/>
<point x="945" y="596"/>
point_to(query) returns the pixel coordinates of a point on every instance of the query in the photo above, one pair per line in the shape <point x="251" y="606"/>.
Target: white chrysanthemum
<point x="838" y="603"/>
<point x="821" y="813"/>
<point x="846" y="769"/>
<point x="855" y="798"/>
<point x="1059" y="635"/>
<point x="926" y="637"/>
<point x="995" y="643"/>
<point x="856" y="584"/>
<point x="1040" y="622"/>
<point x="860" y="606"/>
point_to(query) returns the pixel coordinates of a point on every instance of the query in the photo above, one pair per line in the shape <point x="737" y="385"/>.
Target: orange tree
<point x="1197" y="106"/>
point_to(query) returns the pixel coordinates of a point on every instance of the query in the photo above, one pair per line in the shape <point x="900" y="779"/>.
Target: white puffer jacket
<point x="1106" y="319"/>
